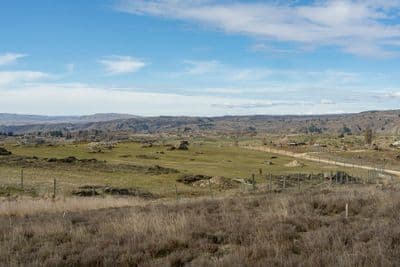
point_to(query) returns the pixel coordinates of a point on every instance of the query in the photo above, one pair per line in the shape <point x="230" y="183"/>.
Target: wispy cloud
<point x="203" y="67"/>
<point x="81" y="98"/>
<point x="122" y="64"/>
<point x="361" y="27"/>
<point x="70" y="67"/>
<point x="216" y="72"/>
<point x="9" y="58"/>
<point x="9" y="77"/>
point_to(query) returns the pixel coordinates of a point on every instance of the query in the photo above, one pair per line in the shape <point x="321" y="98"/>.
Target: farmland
<point x="197" y="201"/>
<point x="153" y="168"/>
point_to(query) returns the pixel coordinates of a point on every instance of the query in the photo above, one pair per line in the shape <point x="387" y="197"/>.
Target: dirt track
<point x="317" y="159"/>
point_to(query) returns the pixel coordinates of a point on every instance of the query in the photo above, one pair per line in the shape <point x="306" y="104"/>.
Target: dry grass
<point x="304" y="229"/>
<point x="24" y="206"/>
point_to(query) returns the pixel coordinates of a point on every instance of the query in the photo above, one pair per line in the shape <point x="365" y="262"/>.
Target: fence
<point x="23" y="181"/>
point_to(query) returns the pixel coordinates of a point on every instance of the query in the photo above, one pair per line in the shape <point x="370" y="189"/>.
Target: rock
<point x="239" y="180"/>
<point x="294" y="163"/>
<point x="216" y="182"/>
<point x="269" y="163"/>
<point x="395" y="144"/>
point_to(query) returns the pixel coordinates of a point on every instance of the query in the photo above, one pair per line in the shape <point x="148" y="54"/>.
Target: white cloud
<point x="122" y="64"/>
<point x="76" y="99"/>
<point x="9" y="58"/>
<point x="390" y="95"/>
<point x="213" y="69"/>
<point x="327" y="102"/>
<point x="202" y="67"/>
<point x="9" y="77"/>
<point x="357" y="27"/>
<point x="216" y="73"/>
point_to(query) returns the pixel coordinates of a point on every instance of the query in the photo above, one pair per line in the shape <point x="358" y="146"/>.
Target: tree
<point x="368" y="136"/>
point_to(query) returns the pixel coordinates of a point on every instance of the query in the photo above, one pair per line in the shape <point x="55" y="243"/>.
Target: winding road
<point x="306" y="156"/>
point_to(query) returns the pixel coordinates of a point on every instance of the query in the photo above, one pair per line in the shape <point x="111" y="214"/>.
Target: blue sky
<point x="199" y="57"/>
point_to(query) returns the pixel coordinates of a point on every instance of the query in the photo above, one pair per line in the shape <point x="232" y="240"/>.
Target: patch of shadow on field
<point x="142" y="156"/>
<point x="96" y="190"/>
<point x="81" y="164"/>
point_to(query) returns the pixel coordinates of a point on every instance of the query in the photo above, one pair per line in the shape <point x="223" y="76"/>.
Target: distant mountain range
<point x="387" y="122"/>
<point x="7" y="119"/>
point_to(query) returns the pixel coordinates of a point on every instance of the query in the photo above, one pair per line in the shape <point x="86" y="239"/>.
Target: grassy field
<point x="293" y="229"/>
<point x="211" y="157"/>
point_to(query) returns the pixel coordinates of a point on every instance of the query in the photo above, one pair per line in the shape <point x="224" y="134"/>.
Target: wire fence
<point x="28" y="182"/>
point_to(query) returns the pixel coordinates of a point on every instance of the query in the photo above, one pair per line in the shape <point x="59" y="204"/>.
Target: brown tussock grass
<point x="297" y="229"/>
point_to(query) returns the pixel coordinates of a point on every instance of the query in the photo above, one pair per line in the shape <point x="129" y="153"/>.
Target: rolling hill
<point x="387" y="122"/>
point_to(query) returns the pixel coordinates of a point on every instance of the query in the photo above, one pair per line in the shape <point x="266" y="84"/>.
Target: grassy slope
<point x="213" y="158"/>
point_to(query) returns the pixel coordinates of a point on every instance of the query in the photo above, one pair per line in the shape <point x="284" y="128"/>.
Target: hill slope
<point x="380" y="121"/>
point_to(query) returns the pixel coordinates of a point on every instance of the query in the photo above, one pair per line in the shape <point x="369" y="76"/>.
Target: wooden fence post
<point x="284" y="182"/>
<point x="211" y="192"/>
<point x="176" y="192"/>
<point x="298" y="180"/>
<point x="22" y="179"/>
<point x="54" y="188"/>
<point x="253" y="182"/>
<point x="347" y="210"/>
<point x="270" y="181"/>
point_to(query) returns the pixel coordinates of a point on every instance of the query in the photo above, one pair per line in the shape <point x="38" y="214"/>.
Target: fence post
<point x="284" y="182"/>
<point x="270" y="181"/>
<point x="54" y="188"/>
<point x="298" y="180"/>
<point x="347" y="210"/>
<point x="22" y="179"/>
<point x="253" y="182"/>
<point x="211" y="192"/>
<point x="176" y="192"/>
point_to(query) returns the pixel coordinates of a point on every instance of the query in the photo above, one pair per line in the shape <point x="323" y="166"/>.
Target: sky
<point x="199" y="57"/>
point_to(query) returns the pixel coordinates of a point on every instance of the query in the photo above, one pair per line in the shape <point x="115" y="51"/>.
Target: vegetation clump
<point x="189" y="179"/>
<point x="4" y="152"/>
<point x="95" y="190"/>
<point x="184" y="145"/>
